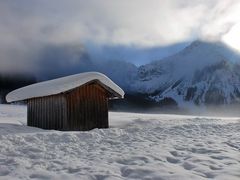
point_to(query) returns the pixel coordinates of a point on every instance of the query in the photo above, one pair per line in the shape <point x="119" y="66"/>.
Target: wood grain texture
<point x="83" y="108"/>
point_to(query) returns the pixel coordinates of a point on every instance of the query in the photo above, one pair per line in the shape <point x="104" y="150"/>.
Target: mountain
<point x="58" y="61"/>
<point x="202" y="74"/>
<point x="121" y="72"/>
<point x="137" y="55"/>
<point x="55" y="61"/>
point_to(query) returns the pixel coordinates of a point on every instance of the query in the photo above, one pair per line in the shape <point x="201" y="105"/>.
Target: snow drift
<point x="137" y="146"/>
<point x="60" y="85"/>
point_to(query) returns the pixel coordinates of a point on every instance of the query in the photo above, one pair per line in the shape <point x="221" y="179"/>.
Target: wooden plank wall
<point x="83" y="108"/>
<point x="87" y="107"/>
<point x="48" y="112"/>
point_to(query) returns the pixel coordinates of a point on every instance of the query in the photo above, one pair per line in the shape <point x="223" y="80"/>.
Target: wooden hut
<point x="77" y="102"/>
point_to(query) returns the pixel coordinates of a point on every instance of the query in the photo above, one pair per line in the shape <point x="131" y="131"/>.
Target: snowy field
<point x="137" y="146"/>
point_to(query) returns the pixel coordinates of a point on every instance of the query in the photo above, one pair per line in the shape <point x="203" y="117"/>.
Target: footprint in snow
<point x="4" y="172"/>
<point x="173" y="160"/>
<point x="188" y="166"/>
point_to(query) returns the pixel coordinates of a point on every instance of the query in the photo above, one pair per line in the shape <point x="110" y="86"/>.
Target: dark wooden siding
<point x="83" y="108"/>
<point x="48" y="112"/>
<point x="87" y="107"/>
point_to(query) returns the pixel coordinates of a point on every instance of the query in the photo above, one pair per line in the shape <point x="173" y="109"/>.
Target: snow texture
<point x="136" y="146"/>
<point x="206" y="72"/>
<point x="60" y="85"/>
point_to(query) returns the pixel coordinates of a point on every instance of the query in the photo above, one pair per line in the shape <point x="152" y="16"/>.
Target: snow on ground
<point x="137" y="146"/>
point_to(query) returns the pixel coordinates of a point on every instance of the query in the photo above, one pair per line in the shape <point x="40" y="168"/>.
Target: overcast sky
<point x="26" y="26"/>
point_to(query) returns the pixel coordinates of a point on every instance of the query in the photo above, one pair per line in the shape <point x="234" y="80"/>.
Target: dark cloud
<point x="53" y="36"/>
<point x="134" y="54"/>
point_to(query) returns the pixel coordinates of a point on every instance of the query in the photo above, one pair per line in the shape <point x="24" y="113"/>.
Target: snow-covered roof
<point x="61" y="85"/>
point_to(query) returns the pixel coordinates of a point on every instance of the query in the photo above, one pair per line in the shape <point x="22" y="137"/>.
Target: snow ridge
<point x="201" y="74"/>
<point x="60" y="85"/>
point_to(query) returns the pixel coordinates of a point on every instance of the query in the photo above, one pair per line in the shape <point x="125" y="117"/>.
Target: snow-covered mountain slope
<point x="203" y="73"/>
<point x="121" y="72"/>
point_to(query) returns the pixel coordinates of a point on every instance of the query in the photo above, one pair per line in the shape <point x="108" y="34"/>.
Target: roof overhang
<point x="64" y="84"/>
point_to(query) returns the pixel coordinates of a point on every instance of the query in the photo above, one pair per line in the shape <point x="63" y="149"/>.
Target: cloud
<point x="29" y="26"/>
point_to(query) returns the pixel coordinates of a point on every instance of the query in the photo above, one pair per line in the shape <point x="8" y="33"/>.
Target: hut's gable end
<point x="87" y="107"/>
<point x="48" y="112"/>
<point x="108" y="92"/>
